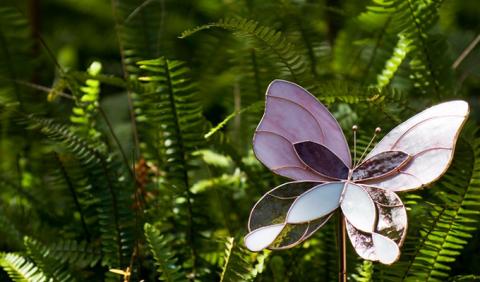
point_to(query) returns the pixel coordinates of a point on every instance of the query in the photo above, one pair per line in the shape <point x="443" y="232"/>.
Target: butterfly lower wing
<point x="429" y="138"/>
<point x="384" y="241"/>
<point x="269" y="223"/>
<point x="293" y="115"/>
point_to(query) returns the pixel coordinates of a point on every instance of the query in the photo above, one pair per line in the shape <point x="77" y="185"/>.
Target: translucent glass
<point x="333" y="137"/>
<point x="272" y="208"/>
<point x="358" y="208"/>
<point x="362" y="243"/>
<point x="315" y="203"/>
<point x="277" y="153"/>
<point x="429" y="137"/>
<point x="386" y="250"/>
<point x="381" y="165"/>
<point x="261" y="238"/>
<point x="453" y="108"/>
<point x="321" y="159"/>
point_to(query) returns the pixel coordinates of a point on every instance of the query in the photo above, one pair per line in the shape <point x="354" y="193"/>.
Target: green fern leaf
<point x="167" y="264"/>
<point x="20" y="269"/>
<point x="274" y="40"/>
<point x="85" y="111"/>
<point x="50" y="266"/>
<point x="236" y="266"/>
<point x="111" y="192"/>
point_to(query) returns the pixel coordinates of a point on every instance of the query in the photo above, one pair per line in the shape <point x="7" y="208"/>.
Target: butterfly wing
<point x="380" y="239"/>
<point x="290" y="213"/>
<point x="429" y="139"/>
<point x="293" y="116"/>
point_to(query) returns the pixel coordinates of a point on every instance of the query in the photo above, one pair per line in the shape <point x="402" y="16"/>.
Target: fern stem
<point x="424" y="46"/>
<point x="115" y="138"/>
<point x="133" y="120"/>
<point x="256" y="74"/>
<point x="308" y="44"/>
<point x="181" y="145"/>
<point x="375" y="49"/>
<point x="115" y="209"/>
<point x="69" y="183"/>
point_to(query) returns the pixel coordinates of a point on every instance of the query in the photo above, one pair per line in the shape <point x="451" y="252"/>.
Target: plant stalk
<point x="342" y="248"/>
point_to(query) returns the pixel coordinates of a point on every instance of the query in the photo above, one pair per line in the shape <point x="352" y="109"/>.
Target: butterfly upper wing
<point x="292" y="116"/>
<point x="429" y="139"/>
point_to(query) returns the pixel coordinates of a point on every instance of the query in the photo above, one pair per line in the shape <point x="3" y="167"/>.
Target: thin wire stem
<point x="368" y="146"/>
<point x="354" y="146"/>
<point x="342" y="248"/>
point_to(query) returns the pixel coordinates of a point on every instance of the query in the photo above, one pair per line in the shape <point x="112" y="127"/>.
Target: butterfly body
<point x="299" y="139"/>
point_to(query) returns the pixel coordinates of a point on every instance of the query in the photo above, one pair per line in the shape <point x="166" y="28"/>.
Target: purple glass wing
<point x="321" y="159"/>
<point x="384" y="242"/>
<point x="267" y="223"/>
<point x="381" y="165"/>
<point x="293" y="115"/>
<point x="429" y="138"/>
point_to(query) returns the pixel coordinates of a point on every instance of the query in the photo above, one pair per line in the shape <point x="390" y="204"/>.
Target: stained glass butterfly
<point x="299" y="139"/>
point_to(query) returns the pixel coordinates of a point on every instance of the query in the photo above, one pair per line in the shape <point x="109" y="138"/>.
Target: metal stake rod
<point x="342" y="248"/>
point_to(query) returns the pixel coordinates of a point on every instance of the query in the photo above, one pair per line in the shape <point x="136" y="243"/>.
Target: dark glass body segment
<point x="380" y="165"/>
<point x="321" y="159"/>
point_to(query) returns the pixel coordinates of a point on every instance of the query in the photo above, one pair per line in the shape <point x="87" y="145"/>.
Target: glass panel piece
<point x="453" y="108"/>
<point x="315" y="225"/>
<point x="321" y="159"/>
<point x="392" y="215"/>
<point x="290" y="236"/>
<point x="288" y="104"/>
<point x="272" y="208"/>
<point x="429" y="137"/>
<point x="381" y="165"/>
<point x="261" y="238"/>
<point x="358" y="208"/>
<point x="362" y="242"/>
<point x="382" y="196"/>
<point x="291" y="233"/>
<point x="422" y="169"/>
<point x="315" y="203"/>
<point x="277" y="153"/>
<point x="386" y="250"/>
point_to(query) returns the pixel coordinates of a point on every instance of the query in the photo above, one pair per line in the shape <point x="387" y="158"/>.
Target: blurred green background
<point x="126" y="130"/>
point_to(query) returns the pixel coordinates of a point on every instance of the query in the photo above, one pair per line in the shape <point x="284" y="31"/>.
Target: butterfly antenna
<point x="354" y="129"/>
<point x="377" y="131"/>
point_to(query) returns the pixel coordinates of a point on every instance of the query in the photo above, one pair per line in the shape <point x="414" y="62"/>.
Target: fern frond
<point x="20" y="269"/>
<point x="413" y="21"/>
<point x="167" y="264"/>
<point x="170" y="106"/>
<point x="391" y="65"/>
<point x="85" y="111"/>
<point x="274" y="40"/>
<point x="131" y="17"/>
<point x="364" y="272"/>
<point x="50" y="266"/>
<point x="235" y="266"/>
<point x="111" y="191"/>
<point x="77" y="254"/>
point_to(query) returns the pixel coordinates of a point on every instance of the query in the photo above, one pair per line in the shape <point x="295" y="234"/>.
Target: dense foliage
<point x="126" y="126"/>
